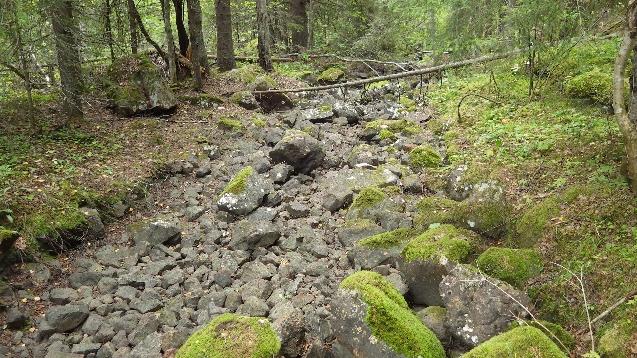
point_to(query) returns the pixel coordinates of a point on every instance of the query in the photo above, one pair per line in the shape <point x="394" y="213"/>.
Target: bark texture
<point x="225" y="47"/>
<point x="132" y="25"/>
<point x="170" y="41"/>
<point x="182" y="34"/>
<point x="196" y="42"/>
<point x="299" y="25"/>
<point x="263" y="27"/>
<point x="65" y="30"/>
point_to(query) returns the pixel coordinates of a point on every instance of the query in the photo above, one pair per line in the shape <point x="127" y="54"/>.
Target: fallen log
<point x="422" y="71"/>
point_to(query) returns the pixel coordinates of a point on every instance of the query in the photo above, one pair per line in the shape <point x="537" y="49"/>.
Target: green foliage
<point x="514" y="266"/>
<point x="444" y="241"/>
<point x="238" y="184"/>
<point x="232" y="336"/>
<point x="520" y="342"/>
<point x="387" y="129"/>
<point x="390" y="319"/>
<point x="614" y="343"/>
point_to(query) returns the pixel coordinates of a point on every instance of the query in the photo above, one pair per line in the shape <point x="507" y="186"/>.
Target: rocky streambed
<point x="313" y="232"/>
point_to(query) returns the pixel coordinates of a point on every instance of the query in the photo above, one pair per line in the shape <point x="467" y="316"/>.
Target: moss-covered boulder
<point x="429" y="257"/>
<point x="380" y="249"/>
<point x="434" y="318"/>
<point x="424" y="156"/>
<point x="230" y="124"/>
<point x="619" y="340"/>
<point x="521" y="342"/>
<point x="486" y="211"/>
<point x="531" y="226"/>
<point x="383" y="206"/>
<point x="232" y="336"/>
<point x="331" y="75"/>
<point x="372" y="319"/>
<point x="514" y="266"/>
<point x="354" y="230"/>
<point x="434" y="210"/>
<point x="562" y="338"/>
<point x="135" y="86"/>
<point x="244" y="193"/>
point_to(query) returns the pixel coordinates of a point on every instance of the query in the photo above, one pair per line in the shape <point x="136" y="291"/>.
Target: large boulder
<point x="525" y="341"/>
<point x="494" y="305"/>
<point x="66" y="318"/>
<point x="233" y="336"/>
<point x="486" y="211"/>
<point x="135" y="87"/>
<point x="299" y="150"/>
<point x="429" y="257"/>
<point x="372" y="319"/>
<point x="513" y="266"/>
<point x="244" y="193"/>
<point x="156" y="232"/>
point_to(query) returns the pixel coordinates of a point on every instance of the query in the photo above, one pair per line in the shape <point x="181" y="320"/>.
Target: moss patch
<point x="238" y="184"/>
<point x="424" y="156"/>
<point x="562" y="339"/>
<point x="434" y="210"/>
<point x="616" y="341"/>
<point x="408" y="103"/>
<point x="390" y="319"/>
<point x="442" y="241"/>
<point x="530" y="227"/>
<point x="331" y="75"/>
<point x="515" y="266"/>
<point x="230" y="336"/>
<point x="368" y="197"/>
<point x="387" y="239"/>
<point x="229" y="123"/>
<point x="521" y="342"/>
<point x="394" y="127"/>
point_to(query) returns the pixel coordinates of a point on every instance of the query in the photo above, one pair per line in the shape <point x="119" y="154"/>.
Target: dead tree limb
<point x="421" y="71"/>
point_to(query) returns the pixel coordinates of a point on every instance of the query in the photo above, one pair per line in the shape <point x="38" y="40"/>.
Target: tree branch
<point x="142" y="28"/>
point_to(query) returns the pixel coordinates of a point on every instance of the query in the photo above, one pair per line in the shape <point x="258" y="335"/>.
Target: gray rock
<point x="353" y="231"/>
<point x="150" y="347"/>
<point x="254" y="307"/>
<point x="7" y="296"/>
<point x="86" y="278"/>
<point x="92" y="324"/>
<point x="192" y="213"/>
<point x="86" y="347"/>
<point x="352" y="113"/>
<point x="62" y="296"/>
<point x="289" y="323"/>
<point x="105" y="333"/>
<point x="491" y="310"/>
<point x="157" y="232"/>
<point x="423" y="279"/>
<point x="203" y="171"/>
<point x="280" y="173"/>
<point x="457" y="186"/>
<point x="247" y="235"/>
<point x="172" y="277"/>
<point x="337" y="199"/>
<point x="148" y="301"/>
<point x="149" y="323"/>
<point x="434" y="318"/>
<point x="299" y="150"/>
<point x="127" y="293"/>
<point x="107" y="285"/>
<point x="297" y="210"/>
<point x="106" y="351"/>
<point x="120" y="340"/>
<point x="66" y="318"/>
<point x="16" y="318"/>
<point x="94" y="225"/>
<point x="252" y="196"/>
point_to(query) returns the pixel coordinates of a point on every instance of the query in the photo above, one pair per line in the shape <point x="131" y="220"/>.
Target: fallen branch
<point x="610" y="309"/>
<point x="422" y="71"/>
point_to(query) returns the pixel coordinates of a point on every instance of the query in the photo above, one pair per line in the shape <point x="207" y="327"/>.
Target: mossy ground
<point x="515" y="266"/>
<point x="388" y="129"/>
<point x="542" y="148"/>
<point x="434" y="210"/>
<point x="387" y="239"/>
<point x="238" y="183"/>
<point x="442" y="241"/>
<point x="390" y="319"/>
<point x="424" y="156"/>
<point x="520" y="342"/>
<point x="231" y="124"/>
<point x="232" y="336"/>
<point x="367" y="198"/>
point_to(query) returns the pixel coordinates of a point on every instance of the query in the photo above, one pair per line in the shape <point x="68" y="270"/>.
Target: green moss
<point x="332" y="74"/>
<point x="229" y="123"/>
<point x="386" y="134"/>
<point x="434" y="210"/>
<point x="326" y="108"/>
<point x="408" y="103"/>
<point x="520" y="342"/>
<point x="394" y="127"/>
<point x="377" y="85"/>
<point x="442" y="241"/>
<point x="424" y="156"/>
<point x="232" y="336"/>
<point x="387" y="239"/>
<point x="594" y="85"/>
<point x="263" y="83"/>
<point x="246" y="74"/>
<point x="238" y="184"/>
<point x="515" y="266"/>
<point x="368" y="197"/>
<point x="7" y="235"/>
<point x="615" y="342"/>
<point x="389" y="317"/>
<point x="259" y="122"/>
<point x="238" y="97"/>
<point x="487" y="216"/>
<point x="562" y="339"/>
<point x="531" y="226"/>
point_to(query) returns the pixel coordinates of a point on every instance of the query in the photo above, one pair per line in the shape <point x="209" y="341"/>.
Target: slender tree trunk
<point x="263" y="29"/>
<point x="142" y="29"/>
<point x="196" y="41"/>
<point x="108" y="28"/>
<point x="225" y="48"/>
<point x="170" y="41"/>
<point x="132" y="24"/>
<point x="627" y="120"/>
<point x="298" y="17"/>
<point x="182" y="34"/>
<point x="69" y="62"/>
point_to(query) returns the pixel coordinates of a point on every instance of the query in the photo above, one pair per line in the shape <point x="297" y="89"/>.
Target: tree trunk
<point x="170" y="41"/>
<point x="298" y="16"/>
<point x="132" y="24"/>
<point x="196" y="41"/>
<point x="627" y="120"/>
<point x="182" y="34"/>
<point x="142" y="28"/>
<point x="263" y="27"/>
<point x="108" y="28"/>
<point x="68" y="55"/>
<point x="225" y="48"/>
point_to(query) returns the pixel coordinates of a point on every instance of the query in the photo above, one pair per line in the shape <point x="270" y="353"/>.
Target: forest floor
<point x="559" y="159"/>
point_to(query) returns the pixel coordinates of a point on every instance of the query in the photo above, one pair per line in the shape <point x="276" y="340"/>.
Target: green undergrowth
<point x="390" y="318"/>
<point x="561" y="160"/>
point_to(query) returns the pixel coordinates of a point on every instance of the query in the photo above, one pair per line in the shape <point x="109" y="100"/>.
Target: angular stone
<point x="247" y="235"/>
<point x="66" y="318"/>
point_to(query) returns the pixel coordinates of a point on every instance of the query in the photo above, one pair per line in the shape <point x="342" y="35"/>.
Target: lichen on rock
<point x="233" y="336"/>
